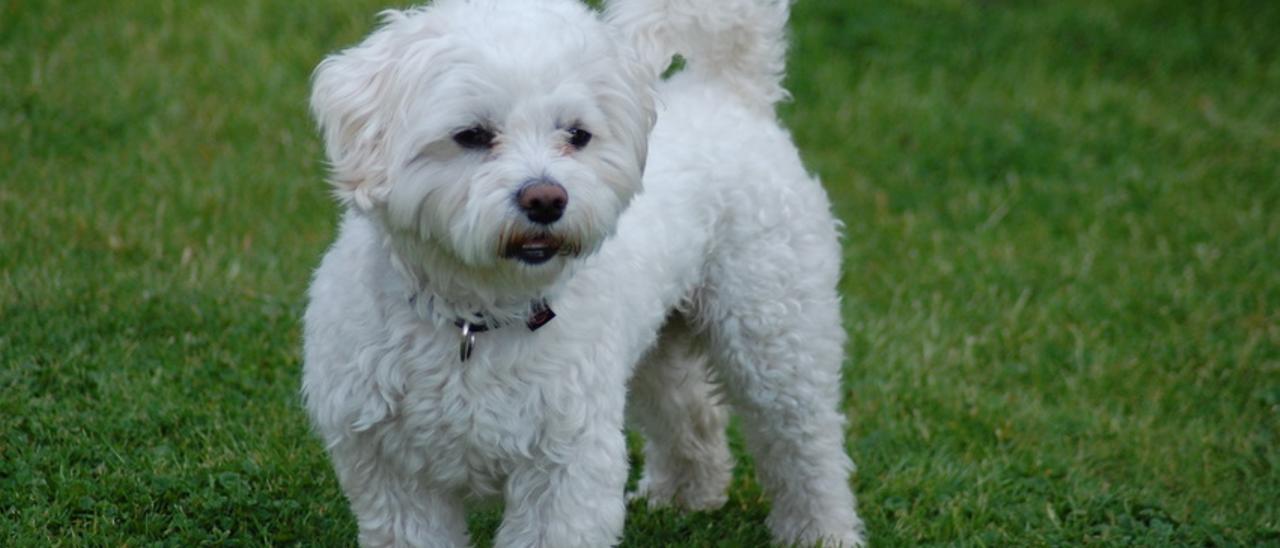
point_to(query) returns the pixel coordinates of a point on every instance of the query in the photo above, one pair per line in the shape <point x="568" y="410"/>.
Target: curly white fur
<point x="716" y="274"/>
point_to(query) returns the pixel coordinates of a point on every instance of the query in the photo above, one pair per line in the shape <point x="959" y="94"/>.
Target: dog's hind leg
<point x="687" y="462"/>
<point x="777" y="345"/>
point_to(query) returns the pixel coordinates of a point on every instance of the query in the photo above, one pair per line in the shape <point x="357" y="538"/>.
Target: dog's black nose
<point x="543" y="202"/>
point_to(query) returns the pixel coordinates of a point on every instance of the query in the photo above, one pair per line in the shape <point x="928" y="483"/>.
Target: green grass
<point x="1062" y="255"/>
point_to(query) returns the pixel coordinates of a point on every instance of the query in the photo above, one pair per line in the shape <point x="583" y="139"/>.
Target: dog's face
<point x="499" y="134"/>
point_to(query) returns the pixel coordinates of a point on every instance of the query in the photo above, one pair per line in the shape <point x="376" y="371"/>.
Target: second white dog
<point x="502" y="276"/>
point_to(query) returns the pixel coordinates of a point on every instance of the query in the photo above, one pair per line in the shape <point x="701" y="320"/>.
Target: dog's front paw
<point x="829" y="533"/>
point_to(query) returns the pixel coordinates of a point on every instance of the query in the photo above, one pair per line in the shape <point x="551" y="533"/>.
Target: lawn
<point x="1062" y="276"/>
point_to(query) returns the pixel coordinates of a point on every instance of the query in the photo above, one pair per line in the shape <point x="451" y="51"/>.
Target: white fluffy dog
<point x="490" y="155"/>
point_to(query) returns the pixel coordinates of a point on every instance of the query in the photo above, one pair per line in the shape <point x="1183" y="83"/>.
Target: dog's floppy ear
<point x="349" y="98"/>
<point x="640" y="110"/>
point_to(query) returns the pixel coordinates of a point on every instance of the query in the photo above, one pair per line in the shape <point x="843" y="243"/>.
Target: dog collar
<point x="539" y="314"/>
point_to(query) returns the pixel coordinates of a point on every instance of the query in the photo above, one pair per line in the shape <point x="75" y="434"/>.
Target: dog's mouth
<point x="534" y="250"/>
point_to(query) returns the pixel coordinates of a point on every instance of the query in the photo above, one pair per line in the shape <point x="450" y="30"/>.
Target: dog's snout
<point x="543" y="202"/>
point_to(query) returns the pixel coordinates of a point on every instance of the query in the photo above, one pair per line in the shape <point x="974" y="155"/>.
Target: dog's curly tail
<point x="741" y="43"/>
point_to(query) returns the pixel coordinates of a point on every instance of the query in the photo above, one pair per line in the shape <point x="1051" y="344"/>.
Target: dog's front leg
<point x="571" y="496"/>
<point x="392" y="508"/>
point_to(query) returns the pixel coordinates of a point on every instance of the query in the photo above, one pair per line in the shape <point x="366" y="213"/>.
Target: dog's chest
<point x="471" y="423"/>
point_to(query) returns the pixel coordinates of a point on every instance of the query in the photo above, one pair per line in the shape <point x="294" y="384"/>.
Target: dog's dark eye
<point x="579" y="137"/>
<point x="476" y="137"/>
